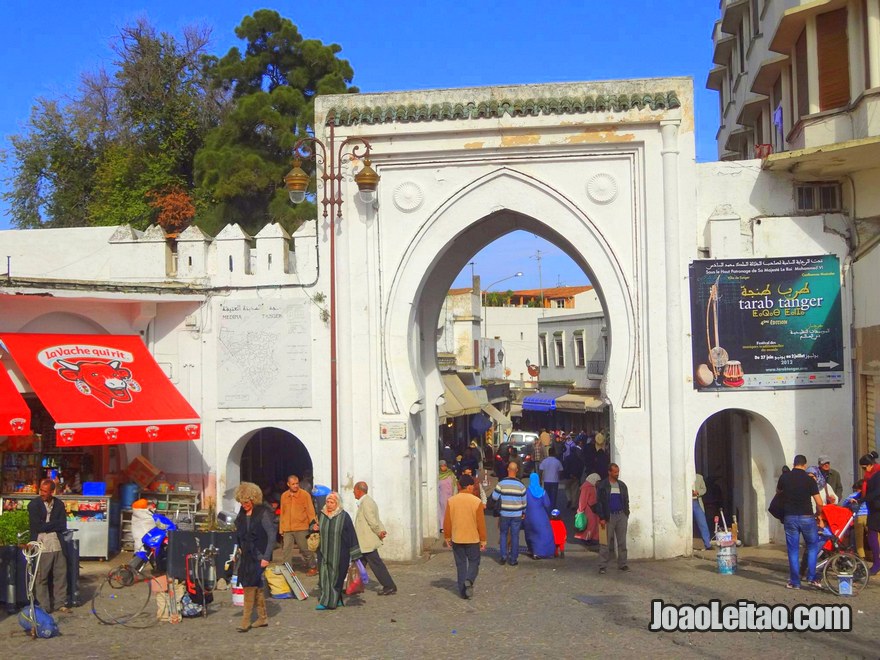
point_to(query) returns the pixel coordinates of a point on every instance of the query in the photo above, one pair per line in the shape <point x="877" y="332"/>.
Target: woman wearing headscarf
<point x="585" y="505"/>
<point x="339" y="547"/>
<point x="539" y="533"/>
<point x="255" y="535"/>
<point x="825" y="491"/>
<point x="446" y="483"/>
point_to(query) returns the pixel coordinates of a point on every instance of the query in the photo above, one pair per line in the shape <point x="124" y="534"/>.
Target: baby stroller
<point x="836" y="557"/>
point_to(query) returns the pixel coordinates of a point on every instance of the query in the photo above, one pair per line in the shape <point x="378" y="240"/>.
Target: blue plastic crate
<point x="94" y="488"/>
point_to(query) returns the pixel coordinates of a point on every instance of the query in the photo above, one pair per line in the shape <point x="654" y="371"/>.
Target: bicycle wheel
<point x="122" y="598"/>
<point x="845" y="563"/>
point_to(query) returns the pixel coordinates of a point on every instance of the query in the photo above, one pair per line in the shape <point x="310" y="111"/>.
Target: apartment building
<point x="798" y="83"/>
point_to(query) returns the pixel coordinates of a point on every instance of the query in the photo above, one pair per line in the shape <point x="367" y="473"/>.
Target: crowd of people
<point x="593" y="489"/>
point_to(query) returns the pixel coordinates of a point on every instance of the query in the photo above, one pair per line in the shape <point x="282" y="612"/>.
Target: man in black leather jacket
<point x="48" y="521"/>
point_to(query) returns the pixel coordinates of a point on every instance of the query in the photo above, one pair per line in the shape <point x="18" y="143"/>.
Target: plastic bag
<point x="353" y="583"/>
<point x="363" y="571"/>
<point x="580" y="521"/>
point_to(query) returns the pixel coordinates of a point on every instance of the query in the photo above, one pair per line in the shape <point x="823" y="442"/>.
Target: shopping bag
<point x="278" y="587"/>
<point x="363" y="571"/>
<point x="353" y="583"/>
<point x="603" y="534"/>
<point x="580" y="521"/>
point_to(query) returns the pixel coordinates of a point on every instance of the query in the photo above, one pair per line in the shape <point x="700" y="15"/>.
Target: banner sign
<point x="759" y="324"/>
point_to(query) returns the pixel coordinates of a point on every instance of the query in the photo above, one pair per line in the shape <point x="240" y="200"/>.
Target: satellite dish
<point x="534" y="370"/>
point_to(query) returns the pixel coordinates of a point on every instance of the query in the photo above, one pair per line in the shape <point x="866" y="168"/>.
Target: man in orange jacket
<point x="297" y="516"/>
<point x="465" y="530"/>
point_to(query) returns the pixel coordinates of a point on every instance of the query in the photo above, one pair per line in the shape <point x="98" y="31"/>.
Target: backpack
<point x="36" y="617"/>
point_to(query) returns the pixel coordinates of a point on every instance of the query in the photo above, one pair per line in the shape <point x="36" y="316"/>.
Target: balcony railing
<point x="595" y="369"/>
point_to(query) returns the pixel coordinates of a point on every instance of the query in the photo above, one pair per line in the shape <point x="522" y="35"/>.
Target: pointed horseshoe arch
<point x="464" y="223"/>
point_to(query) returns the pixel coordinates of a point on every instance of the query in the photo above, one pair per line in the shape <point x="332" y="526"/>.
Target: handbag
<point x="313" y="541"/>
<point x="353" y="583"/>
<point x="580" y="521"/>
<point x="776" y="508"/>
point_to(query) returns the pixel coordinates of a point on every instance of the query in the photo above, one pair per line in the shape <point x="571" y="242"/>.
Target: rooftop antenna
<point x="537" y="257"/>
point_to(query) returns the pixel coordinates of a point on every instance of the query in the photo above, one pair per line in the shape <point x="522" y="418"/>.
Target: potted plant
<point x="12" y="563"/>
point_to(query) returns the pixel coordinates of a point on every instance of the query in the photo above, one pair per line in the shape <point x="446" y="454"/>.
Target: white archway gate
<point x="597" y="169"/>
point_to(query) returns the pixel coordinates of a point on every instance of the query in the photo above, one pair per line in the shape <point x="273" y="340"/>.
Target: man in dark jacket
<point x="612" y="508"/>
<point x="48" y="521"/>
<point x="832" y="476"/>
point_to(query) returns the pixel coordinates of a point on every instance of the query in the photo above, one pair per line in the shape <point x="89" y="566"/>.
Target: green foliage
<point x="52" y="168"/>
<point x="11" y="524"/>
<point x="171" y="118"/>
<point x="240" y="169"/>
<point x="498" y="298"/>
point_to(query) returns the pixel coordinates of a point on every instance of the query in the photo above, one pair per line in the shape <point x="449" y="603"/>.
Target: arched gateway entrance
<point x="740" y="456"/>
<point x="266" y="457"/>
<point x="598" y="181"/>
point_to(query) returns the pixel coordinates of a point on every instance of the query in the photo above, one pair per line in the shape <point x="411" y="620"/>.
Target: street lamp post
<point x="486" y="307"/>
<point x="330" y="161"/>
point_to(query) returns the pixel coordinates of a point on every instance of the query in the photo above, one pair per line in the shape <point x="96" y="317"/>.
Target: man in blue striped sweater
<point x="512" y="494"/>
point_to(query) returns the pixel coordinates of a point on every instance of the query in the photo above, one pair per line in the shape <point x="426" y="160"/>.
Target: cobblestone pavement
<point x="558" y="607"/>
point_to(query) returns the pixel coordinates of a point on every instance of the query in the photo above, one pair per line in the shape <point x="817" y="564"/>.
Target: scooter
<point x="153" y="552"/>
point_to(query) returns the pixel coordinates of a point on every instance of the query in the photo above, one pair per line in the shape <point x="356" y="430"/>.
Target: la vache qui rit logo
<point x="96" y="371"/>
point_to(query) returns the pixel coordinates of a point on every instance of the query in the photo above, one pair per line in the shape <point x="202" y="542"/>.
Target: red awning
<point x="102" y="389"/>
<point x="15" y="416"/>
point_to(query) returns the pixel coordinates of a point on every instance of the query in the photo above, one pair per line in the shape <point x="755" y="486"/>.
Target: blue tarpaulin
<point x="539" y="402"/>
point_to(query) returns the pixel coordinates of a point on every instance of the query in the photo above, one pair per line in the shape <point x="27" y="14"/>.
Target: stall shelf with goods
<point x="88" y="516"/>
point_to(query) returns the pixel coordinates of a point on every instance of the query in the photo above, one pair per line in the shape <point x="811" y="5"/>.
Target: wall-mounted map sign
<point x="265" y="354"/>
<point x="760" y="324"/>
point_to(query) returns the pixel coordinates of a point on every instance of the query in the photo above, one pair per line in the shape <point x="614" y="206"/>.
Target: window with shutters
<point x="833" y="52"/>
<point x="559" y="346"/>
<point x="579" y="355"/>
<point x="801" y="77"/>
<point x="542" y="349"/>
<point x="754" y="17"/>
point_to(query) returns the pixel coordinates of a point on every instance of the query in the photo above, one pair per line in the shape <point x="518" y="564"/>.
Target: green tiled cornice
<point x="497" y="109"/>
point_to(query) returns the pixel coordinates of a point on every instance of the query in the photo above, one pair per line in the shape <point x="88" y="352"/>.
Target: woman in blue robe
<point x="539" y="534"/>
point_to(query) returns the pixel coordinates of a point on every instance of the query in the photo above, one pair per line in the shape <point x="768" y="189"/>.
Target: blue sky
<point x="395" y="45"/>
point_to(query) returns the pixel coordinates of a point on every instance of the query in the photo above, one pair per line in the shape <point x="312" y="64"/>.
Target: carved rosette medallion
<point x="602" y="188"/>
<point x="408" y="197"/>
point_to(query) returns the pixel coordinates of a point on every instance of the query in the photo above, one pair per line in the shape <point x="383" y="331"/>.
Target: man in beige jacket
<point x="370" y="533"/>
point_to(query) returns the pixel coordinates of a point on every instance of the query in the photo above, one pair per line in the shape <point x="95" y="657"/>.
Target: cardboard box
<point x="142" y="472"/>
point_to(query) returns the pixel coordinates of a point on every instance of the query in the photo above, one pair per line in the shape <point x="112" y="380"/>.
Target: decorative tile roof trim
<point x="496" y="109"/>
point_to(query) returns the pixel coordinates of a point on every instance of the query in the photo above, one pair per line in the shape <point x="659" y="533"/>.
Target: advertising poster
<point x="761" y="324"/>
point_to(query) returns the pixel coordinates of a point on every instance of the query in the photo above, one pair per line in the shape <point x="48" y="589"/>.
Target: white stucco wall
<point x="617" y="190"/>
<point x="783" y="423"/>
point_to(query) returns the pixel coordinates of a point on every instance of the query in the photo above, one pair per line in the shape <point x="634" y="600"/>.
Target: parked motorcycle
<point x="154" y="552"/>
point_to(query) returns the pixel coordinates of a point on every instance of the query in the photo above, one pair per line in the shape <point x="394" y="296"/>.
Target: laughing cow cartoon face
<point x="112" y="434"/>
<point x="17" y="424"/>
<point x="108" y="382"/>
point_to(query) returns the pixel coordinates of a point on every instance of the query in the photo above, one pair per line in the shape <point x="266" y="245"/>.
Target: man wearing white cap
<point x="832" y="477"/>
